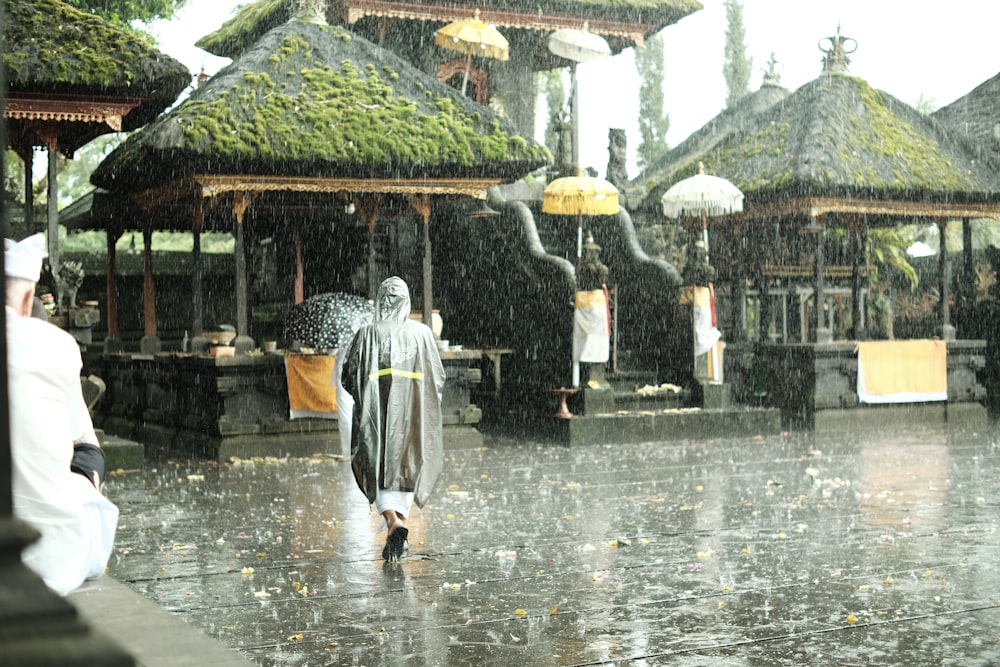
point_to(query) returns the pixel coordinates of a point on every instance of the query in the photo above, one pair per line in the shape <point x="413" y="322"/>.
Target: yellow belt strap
<point x="395" y="371"/>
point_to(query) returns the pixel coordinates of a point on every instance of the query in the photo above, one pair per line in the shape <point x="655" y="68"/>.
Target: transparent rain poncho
<point x="394" y="372"/>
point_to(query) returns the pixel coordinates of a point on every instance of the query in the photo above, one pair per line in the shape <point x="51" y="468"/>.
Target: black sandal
<point x="393" y="549"/>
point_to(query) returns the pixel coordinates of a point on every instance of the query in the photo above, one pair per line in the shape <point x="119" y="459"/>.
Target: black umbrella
<point x="328" y="320"/>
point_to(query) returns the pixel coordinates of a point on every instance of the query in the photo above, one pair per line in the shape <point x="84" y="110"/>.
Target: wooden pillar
<point x="198" y="341"/>
<point x="784" y="315"/>
<point x="737" y="323"/>
<point x="422" y="204"/>
<point x="299" y="280"/>
<point x="944" y="271"/>
<point x="367" y="209"/>
<point x="150" y="343"/>
<point x="766" y="310"/>
<point x="197" y="280"/>
<point x="28" y="159"/>
<point x="967" y="291"/>
<point x="243" y="343"/>
<point x="53" y="205"/>
<point x="859" y="238"/>
<point x="823" y="332"/>
<point x="113" y="341"/>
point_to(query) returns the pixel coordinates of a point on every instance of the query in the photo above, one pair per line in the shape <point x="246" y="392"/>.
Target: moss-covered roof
<point x="256" y="18"/>
<point x="974" y="117"/>
<point x="729" y="121"/>
<point x="319" y="101"/>
<point x="838" y="137"/>
<point x="50" y="47"/>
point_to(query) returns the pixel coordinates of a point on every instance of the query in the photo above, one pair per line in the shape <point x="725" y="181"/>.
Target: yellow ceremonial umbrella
<point x="473" y="37"/>
<point x="580" y="195"/>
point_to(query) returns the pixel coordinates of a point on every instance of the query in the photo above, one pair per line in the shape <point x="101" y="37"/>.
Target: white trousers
<point x="345" y="405"/>
<point x="398" y="501"/>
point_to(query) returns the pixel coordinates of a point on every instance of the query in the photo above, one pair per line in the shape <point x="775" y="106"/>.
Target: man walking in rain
<point x="394" y="372"/>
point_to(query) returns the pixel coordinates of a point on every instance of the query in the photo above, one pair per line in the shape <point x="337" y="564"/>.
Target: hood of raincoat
<point x="394" y="373"/>
<point x="393" y="301"/>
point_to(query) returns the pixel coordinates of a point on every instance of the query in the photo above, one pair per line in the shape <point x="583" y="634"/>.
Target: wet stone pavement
<point x="860" y="549"/>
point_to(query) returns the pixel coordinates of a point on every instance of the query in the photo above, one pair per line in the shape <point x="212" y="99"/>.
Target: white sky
<point x="907" y="48"/>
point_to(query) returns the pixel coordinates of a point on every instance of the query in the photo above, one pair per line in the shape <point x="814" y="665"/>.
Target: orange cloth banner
<point x="902" y="371"/>
<point x="311" y="391"/>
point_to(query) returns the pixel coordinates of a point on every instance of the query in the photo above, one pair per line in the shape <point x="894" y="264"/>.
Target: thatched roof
<point x="730" y="121"/>
<point x="319" y="101"/>
<point x="623" y="22"/>
<point x="838" y="137"/>
<point x="53" y="49"/>
<point x="976" y="117"/>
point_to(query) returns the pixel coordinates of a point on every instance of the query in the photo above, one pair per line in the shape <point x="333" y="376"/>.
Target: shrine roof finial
<point x="837" y="48"/>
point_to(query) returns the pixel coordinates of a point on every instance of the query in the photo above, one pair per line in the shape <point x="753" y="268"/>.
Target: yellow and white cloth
<point x="706" y="335"/>
<point x="592" y="327"/>
<point x="902" y="371"/>
<point x="312" y="392"/>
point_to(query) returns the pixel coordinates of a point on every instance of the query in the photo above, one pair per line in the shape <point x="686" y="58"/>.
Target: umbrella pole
<point x="465" y="79"/>
<point x="575" y="115"/>
<point x="579" y="247"/>
<point x="704" y="230"/>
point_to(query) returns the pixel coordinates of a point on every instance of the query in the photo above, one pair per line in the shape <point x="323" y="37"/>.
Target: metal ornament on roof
<point x="837" y="48"/>
<point x="473" y="37"/>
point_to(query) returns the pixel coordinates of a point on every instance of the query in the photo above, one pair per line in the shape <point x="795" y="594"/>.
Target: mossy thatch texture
<point x="318" y="101"/>
<point x="730" y="121"/>
<point x="974" y="118"/>
<point x="838" y="137"/>
<point x="50" y="47"/>
<point x="256" y="18"/>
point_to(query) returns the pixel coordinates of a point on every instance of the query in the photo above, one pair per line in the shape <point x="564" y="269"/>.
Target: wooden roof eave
<point x="191" y="189"/>
<point x="71" y="121"/>
<point x="819" y="207"/>
<point x="355" y="11"/>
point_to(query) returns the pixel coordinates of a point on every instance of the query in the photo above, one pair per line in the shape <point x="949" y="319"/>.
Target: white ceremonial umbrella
<point x="580" y="46"/>
<point x="702" y="195"/>
<point x="577" y="46"/>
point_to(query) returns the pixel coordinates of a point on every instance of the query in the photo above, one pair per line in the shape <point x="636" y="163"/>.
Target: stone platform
<point x="667" y="425"/>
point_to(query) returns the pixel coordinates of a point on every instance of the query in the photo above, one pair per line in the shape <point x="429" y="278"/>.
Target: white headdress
<point x="23" y="259"/>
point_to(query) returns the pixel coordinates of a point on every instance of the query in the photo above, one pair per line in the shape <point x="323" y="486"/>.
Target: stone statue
<point x="563" y="163"/>
<point x="697" y="270"/>
<point x="617" y="158"/>
<point x="68" y="281"/>
<point x="593" y="272"/>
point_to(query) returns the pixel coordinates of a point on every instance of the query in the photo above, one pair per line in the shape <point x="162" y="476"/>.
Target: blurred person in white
<point x="58" y="465"/>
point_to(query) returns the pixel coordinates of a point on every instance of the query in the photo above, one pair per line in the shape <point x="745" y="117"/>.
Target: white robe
<point x="48" y="415"/>
<point x="591" y="327"/>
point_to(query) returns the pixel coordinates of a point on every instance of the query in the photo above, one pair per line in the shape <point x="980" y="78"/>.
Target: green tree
<point x="74" y="175"/>
<point x="737" y="64"/>
<point x="653" y="121"/>
<point x="124" y="12"/>
<point x="925" y="105"/>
